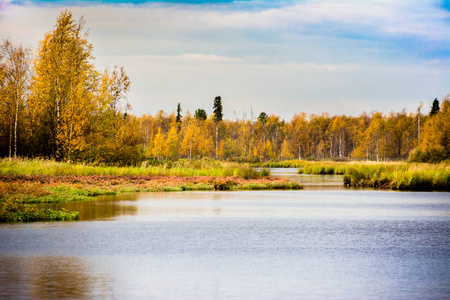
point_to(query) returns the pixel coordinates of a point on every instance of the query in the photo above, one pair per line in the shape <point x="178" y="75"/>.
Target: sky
<point x="278" y="57"/>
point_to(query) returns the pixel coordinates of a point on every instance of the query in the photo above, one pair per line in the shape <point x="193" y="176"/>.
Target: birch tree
<point x="62" y="86"/>
<point x="15" y="69"/>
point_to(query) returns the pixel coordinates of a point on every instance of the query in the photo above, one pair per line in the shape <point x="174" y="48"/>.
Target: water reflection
<point x="105" y="207"/>
<point x="332" y="204"/>
<point x="306" y="244"/>
<point x="310" y="182"/>
<point x="50" y="277"/>
<point x="129" y="205"/>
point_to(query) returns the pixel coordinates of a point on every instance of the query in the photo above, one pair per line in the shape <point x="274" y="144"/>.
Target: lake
<point x="323" y="242"/>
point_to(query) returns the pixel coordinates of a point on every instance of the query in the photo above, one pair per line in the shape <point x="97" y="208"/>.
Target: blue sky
<point x="280" y="57"/>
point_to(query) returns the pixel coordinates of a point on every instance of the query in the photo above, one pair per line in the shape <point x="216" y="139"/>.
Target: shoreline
<point x="18" y="193"/>
<point x="402" y="176"/>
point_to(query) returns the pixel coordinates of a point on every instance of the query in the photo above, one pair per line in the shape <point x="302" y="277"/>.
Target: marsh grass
<point x="281" y="164"/>
<point x="393" y="175"/>
<point x="185" y="168"/>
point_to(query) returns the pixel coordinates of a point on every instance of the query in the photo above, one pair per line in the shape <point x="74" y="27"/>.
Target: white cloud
<point x="312" y="56"/>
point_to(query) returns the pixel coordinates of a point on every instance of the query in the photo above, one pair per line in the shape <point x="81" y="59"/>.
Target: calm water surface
<point x="323" y="242"/>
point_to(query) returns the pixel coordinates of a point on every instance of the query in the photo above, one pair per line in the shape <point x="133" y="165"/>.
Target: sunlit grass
<point x="185" y="168"/>
<point x="282" y="164"/>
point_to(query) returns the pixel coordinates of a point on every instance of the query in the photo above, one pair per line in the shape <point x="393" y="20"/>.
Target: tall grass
<point x="281" y="164"/>
<point x="183" y="168"/>
<point x="394" y="175"/>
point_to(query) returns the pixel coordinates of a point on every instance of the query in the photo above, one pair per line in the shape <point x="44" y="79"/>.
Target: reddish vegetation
<point x="40" y="185"/>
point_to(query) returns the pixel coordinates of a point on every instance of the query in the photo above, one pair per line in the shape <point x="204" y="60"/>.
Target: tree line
<point x="375" y="136"/>
<point x="55" y="104"/>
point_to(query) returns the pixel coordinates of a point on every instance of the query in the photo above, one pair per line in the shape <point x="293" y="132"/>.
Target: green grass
<point x="17" y="211"/>
<point x="393" y="175"/>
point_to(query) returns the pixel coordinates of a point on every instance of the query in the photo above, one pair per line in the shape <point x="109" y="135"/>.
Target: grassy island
<point x="24" y="182"/>
<point x="390" y="175"/>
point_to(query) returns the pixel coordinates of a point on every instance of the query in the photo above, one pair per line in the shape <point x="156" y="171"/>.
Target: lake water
<point x="324" y="242"/>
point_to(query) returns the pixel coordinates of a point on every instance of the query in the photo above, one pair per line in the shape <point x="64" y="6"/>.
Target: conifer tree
<point x="178" y="118"/>
<point x="200" y="114"/>
<point x="434" y="107"/>
<point x="218" y="115"/>
<point x="217" y="109"/>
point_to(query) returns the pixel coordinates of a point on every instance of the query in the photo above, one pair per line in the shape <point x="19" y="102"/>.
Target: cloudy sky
<point x="280" y="57"/>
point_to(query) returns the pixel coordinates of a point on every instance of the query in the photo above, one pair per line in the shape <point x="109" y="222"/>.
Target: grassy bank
<point x="24" y="182"/>
<point x="392" y="175"/>
<point x="183" y="168"/>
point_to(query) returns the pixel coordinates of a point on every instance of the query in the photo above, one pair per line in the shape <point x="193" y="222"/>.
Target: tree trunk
<point x="377" y="150"/>
<point x="217" y="139"/>
<point x="15" y="125"/>
<point x="10" y="140"/>
<point x="70" y="142"/>
<point x="331" y="148"/>
<point x="418" y="129"/>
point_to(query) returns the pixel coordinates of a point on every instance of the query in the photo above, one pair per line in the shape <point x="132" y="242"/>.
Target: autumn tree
<point x="14" y="80"/>
<point x="190" y="143"/>
<point x="110" y="116"/>
<point x="171" y="144"/>
<point x="285" y="150"/>
<point x="62" y="88"/>
<point x="435" y="142"/>
<point x="158" y="147"/>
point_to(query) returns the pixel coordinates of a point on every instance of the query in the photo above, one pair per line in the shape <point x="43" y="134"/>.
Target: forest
<point x="54" y="104"/>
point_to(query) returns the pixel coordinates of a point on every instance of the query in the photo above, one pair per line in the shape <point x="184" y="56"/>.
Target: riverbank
<point x="24" y="182"/>
<point x="388" y="175"/>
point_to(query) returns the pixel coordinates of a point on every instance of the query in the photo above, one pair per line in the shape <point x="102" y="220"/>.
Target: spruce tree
<point x="178" y="118"/>
<point x="218" y="115"/>
<point x="434" y="107"/>
<point x="217" y="109"/>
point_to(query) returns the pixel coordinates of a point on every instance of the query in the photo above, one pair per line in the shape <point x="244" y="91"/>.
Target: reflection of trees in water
<point x="96" y="210"/>
<point x="64" y="277"/>
<point x="13" y="273"/>
<point x="50" y="277"/>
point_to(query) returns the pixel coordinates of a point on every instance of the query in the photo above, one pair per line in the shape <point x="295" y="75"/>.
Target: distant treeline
<point x="379" y="137"/>
<point x="54" y="104"/>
